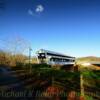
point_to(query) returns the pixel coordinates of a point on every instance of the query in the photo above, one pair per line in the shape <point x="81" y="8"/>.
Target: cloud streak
<point x="30" y="12"/>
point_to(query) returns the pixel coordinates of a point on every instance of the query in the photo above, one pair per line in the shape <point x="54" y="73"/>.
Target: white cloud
<point x="39" y="8"/>
<point x="37" y="11"/>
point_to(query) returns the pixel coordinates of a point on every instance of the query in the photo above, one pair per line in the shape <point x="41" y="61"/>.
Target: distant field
<point x="88" y="59"/>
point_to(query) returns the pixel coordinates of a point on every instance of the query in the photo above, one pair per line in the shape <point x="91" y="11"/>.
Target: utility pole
<point x="30" y="59"/>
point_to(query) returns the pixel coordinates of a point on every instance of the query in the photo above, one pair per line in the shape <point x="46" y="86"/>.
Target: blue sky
<point x="67" y="26"/>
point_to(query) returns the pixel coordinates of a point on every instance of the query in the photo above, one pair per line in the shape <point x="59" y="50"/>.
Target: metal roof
<point x="51" y="52"/>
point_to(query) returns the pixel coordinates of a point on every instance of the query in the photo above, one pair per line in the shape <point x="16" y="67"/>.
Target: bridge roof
<point x="52" y="52"/>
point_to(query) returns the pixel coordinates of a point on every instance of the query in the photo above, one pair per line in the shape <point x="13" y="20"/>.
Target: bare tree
<point x="17" y="47"/>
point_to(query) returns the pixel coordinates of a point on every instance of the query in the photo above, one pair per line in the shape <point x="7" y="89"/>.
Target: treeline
<point x="9" y="59"/>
